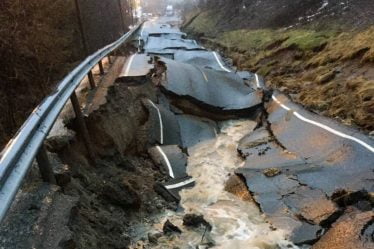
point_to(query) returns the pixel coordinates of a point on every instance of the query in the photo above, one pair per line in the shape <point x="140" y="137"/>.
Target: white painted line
<point x="220" y="63"/>
<point x="181" y="184"/>
<point x="171" y="173"/>
<point x="325" y="127"/>
<point x="204" y="75"/>
<point x="129" y="63"/>
<point x="160" y="119"/>
<point x="257" y="81"/>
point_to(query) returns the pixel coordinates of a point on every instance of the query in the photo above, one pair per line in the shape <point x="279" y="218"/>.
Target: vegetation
<point x="37" y="46"/>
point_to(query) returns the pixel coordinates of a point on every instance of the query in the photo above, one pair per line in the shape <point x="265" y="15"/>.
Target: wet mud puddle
<point x="234" y="223"/>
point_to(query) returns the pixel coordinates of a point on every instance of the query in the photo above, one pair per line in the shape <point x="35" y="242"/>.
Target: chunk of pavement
<point x="221" y="90"/>
<point x="255" y="138"/>
<point x="194" y="220"/>
<point x="170" y="228"/>
<point x="195" y="130"/>
<point x="306" y="234"/>
<point x="164" y="124"/>
<point x="312" y="205"/>
<point x="271" y="172"/>
<point x="270" y="155"/>
<point x="354" y="230"/>
<point x="175" y="158"/>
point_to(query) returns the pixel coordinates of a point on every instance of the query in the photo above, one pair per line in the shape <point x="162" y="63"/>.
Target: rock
<point x="236" y="186"/>
<point x="153" y="237"/>
<point x="354" y="230"/>
<point x="57" y="143"/>
<point x="364" y="206"/>
<point x="272" y="172"/>
<point x="170" y="228"/>
<point x="194" y="220"/>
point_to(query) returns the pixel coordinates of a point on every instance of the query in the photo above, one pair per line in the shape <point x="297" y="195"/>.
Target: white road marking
<point x="171" y="173"/>
<point x="129" y="65"/>
<point x="257" y="81"/>
<point x="220" y="63"/>
<point x="181" y="184"/>
<point x="325" y="127"/>
<point x="204" y="75"/>
<point x="160" y="119"/>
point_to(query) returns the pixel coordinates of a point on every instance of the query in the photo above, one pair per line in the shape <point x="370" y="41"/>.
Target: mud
<point x="112" y="198"/>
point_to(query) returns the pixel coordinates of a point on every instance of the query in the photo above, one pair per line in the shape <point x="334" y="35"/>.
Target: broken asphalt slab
<point x="161" y="43"/>
<point x="222" y="90"/>
<point x="344" y="157"/>
<point x="295" y="165"/>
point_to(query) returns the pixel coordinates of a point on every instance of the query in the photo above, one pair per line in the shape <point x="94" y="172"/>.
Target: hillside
<point x="319" y="52"/>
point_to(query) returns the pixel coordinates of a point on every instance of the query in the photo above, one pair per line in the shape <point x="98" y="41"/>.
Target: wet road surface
<point x="303" y="170"/>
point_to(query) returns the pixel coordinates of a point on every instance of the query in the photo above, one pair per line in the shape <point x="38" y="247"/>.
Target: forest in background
<point x="40" y="42"/>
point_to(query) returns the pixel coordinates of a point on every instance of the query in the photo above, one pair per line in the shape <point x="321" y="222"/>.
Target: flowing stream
<point x="236" y="224"/>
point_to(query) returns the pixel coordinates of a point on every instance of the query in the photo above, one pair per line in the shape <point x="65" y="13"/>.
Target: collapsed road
<point x="248" y="167"/>
<point x="307" y="174"/>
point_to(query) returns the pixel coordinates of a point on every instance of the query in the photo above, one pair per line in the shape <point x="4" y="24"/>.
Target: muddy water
<point x="236" y="224"/>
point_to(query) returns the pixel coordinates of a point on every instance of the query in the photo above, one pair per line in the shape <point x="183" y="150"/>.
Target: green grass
<point x="247" y="39"/>
<point x="261" y="38"/>
<point x="307" y="39"/>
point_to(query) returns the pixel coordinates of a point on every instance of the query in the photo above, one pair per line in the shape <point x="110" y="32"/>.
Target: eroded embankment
<point x="96" y="204"/>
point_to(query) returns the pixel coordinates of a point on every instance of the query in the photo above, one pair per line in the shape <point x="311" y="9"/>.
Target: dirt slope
<point x="320" y="52"/>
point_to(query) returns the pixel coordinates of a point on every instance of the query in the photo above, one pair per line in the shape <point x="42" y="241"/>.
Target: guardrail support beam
<point x="91" y="80"/>
<point x="45" y="166"/>
<point x="109" y="59"/>
<point x="101" y="67"/>
<point x="82" y="126"/>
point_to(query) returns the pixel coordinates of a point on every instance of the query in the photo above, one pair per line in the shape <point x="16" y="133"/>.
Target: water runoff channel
<point x="200" y="151"/>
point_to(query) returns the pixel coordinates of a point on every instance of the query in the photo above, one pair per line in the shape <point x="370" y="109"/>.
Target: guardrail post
<point x="91" y="80"/>
<point x="45" y="166"/>
<point x="101" y="67"/>
<point x="82" y="126"/>
<point x="109" y="59"/>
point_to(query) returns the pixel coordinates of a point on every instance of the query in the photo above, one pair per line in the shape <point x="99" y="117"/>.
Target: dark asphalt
<point x="301" y="168"/>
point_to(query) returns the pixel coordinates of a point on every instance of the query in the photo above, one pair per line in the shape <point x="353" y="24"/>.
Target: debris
<point x="272" y="172"/>
<point x="170" y="228"/>
<point x="194" y="220"/>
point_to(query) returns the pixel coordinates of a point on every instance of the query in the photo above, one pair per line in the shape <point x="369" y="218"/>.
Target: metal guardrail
<point x="27" y="144"/>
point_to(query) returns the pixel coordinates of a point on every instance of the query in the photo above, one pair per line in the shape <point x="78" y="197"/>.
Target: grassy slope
<point x="328" y="71"/>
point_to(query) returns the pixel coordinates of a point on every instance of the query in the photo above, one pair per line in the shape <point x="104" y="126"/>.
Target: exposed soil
<point x="321" y="56"/>
<point x="117" y="193"/>
<point x="113" y="198"/>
